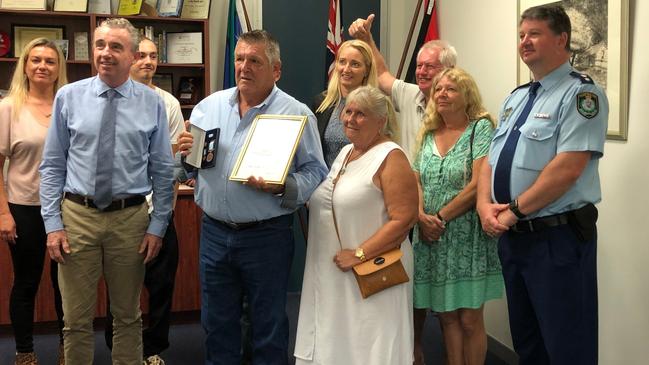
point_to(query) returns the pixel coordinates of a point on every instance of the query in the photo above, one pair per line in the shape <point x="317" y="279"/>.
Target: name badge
<point x="542" y="115"/>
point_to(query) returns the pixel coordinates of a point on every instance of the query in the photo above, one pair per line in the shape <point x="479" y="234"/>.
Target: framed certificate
<point x="269" y="148"/>
<point x="99" y="6"/>
<point x="195" y="9"/>
<point x="24" y="34"/>
<point x="129" y="7"/>
<point x="185" y="47"/>
<point x="169" y="7"/>
<point x="23" y="4"/>
<point x="71" y="5"/>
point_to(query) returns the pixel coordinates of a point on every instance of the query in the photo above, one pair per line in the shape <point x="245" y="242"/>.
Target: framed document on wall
<point x="80" y="6"/>
<point x="185" y="47"/>
<point x="23" y="4"/>
<point x="195" y="9"/>
<point x="169" y="7"/>
<point x="23" y="34"/>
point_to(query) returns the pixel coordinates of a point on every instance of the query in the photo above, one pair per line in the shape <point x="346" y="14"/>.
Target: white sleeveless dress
<point x="336" y="325"/>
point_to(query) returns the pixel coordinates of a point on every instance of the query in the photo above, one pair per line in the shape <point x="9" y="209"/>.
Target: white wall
<point x="485" y="36"/>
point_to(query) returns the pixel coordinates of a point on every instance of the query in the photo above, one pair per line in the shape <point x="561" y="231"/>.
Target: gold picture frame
<point x="269" y="148"/>
<point x="23" y="34"/>
<point x="606" y="61"/>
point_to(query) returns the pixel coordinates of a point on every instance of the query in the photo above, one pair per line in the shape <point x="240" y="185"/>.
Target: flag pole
<point x="245" y="15"/>
<point x="404" y="55"/>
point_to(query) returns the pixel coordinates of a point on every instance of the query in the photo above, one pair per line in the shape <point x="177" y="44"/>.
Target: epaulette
<point x="521" y="86"/>
<point x="585" y="79"/>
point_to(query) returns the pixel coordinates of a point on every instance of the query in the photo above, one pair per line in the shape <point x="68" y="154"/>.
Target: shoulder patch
<point x="521" y="86"/>
<point x="585" y="79"/>
<point x="587" y="104"/>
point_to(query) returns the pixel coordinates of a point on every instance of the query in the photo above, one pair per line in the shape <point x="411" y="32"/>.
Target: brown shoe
<point x="26" y="358"/>
<point x="61" y="355"/>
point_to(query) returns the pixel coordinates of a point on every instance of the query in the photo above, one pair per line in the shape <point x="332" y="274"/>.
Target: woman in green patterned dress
<point x="456" y="264"/>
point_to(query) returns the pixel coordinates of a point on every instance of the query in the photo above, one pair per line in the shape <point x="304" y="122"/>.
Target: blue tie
<point x="105" y="153"/>
<point x="502" y="174"/>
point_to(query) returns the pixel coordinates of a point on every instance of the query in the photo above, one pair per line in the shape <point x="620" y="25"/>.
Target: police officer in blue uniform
<point x="538" y="192"/>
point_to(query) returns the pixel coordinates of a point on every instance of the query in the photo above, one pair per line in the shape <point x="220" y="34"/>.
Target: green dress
<point x="462" y="269"/>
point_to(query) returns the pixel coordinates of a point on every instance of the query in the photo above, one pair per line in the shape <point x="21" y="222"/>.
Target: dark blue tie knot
<point x="533" y="87"/>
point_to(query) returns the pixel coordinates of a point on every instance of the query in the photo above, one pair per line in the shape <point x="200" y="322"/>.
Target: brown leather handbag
<point x="381" y="272"/>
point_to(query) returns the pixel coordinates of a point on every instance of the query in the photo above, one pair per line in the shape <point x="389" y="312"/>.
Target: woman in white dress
<point x="375" y="201"/>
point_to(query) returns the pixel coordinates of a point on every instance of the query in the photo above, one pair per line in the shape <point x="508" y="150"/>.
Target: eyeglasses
<point x="429" y="66"/>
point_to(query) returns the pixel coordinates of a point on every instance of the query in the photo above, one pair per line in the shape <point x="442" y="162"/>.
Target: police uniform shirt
<point x="570" y="113"/>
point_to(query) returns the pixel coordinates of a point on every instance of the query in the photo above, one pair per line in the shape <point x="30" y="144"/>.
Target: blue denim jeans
<point x="255" y="262"/>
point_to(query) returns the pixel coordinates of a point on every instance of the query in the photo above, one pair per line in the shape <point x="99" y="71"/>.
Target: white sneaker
<point x="153" y="360"/>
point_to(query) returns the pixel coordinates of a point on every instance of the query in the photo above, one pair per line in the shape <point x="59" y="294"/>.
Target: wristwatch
<point x="360" y="254"/>
<point x="513" y="206"/>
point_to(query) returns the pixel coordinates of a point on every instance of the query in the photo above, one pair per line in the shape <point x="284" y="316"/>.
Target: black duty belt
<point x="541" y="223"/>
<point x="115" y="205"/>
<point x="244" y="225"/>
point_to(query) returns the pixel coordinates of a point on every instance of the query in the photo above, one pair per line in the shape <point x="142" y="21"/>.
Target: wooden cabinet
<point x="187" y="290"/>
<point x="84" y="22"/>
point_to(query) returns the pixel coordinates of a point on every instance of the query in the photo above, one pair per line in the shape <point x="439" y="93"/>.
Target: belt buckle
<point x="530" y="224"/>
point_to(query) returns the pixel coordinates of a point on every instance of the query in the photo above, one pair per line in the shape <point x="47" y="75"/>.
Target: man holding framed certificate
<point x="247" y="238"/>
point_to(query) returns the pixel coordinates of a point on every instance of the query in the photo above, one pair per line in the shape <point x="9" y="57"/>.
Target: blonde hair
<point x="373" y="102"/>
<point x="19" y="89"/>
<point x="469" y="90"/>
<point x="334" y="94"/>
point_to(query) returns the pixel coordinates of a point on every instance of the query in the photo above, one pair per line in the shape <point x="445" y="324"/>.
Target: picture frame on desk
<point x="185" y="47"/>
<point x="23" y="4"/>
<point x="23" y="34"/>
<point x="169" y="8"/>
<point x="129" y="7"/>
<point x="195" y="9"/>
<point x="165" y="81"/>
<point x="99" y="6"/>
<point x="190" y="90"/>
<point x="76" y="6"/>
<point x="81" y="50"/>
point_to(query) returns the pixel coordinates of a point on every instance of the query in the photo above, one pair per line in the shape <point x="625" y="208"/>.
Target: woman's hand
<point x="430" y="227"/>
<point x="345" y="259"/>
<point x="7" y="228"/>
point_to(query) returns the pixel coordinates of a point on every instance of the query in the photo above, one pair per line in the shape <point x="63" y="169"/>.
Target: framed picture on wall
<point x="23" y="34"/>
<point x="164" y="81"/>
<point x="600" y="37"/>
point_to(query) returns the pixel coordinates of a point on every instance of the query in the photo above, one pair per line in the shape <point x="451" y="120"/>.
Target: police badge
<point x="587" y="104"/>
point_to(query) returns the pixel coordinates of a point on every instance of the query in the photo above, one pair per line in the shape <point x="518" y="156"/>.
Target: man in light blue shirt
<point x="247" y="238"/>
<point x="87" y="237"/>
<point x="538" y="193"/>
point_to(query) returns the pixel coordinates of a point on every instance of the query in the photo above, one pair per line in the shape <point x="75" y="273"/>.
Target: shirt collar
<point x="101" y="87"/>
<point x="234" y="99"/>
<point x="553" y="77"/>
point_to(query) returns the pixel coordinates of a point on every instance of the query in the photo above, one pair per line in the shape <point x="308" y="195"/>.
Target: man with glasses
<point x="408" y="99"/>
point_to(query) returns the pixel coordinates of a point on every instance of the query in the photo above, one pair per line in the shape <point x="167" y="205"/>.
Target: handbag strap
<point x="333" y="188"/>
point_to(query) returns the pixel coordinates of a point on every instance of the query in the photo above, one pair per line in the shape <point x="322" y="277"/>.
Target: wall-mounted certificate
<point x="169" y="7"/>
<point x="23" y="4"/>
<point x="269" y="148"/>
<point x="23" y="34"/>
<point x="71" y="5"/>
<point x="99" y="6"/>
<point x="129" y="7"/>
<point x="185" y="47"/>
<point x="195" y="9"/>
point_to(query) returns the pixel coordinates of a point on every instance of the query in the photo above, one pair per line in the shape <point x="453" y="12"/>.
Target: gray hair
<point x="121" y="23"/>
<point x="374" y="102"/>
<point x="447" y="54"/>
<point x="270" y="43"/>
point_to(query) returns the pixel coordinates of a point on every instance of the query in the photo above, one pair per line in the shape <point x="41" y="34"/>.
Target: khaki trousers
<point x="102" y="243"/>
